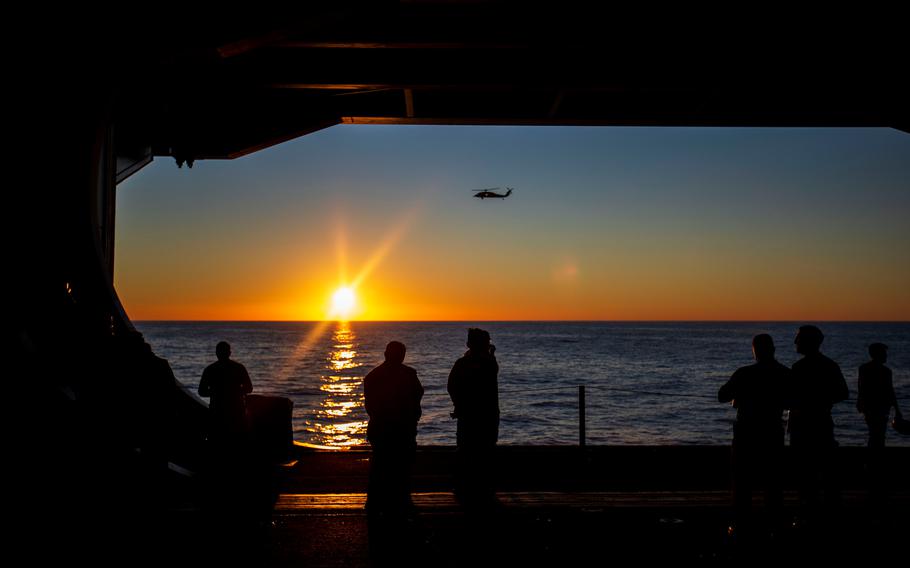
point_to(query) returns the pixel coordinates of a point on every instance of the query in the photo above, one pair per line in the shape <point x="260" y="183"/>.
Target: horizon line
<point x="525" y="321"/>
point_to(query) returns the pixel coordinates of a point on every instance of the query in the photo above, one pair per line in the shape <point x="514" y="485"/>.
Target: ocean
<point x="646" y="383"/>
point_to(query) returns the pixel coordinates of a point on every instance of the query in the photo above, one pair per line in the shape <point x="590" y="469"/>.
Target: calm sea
<point x="646" y="383"/>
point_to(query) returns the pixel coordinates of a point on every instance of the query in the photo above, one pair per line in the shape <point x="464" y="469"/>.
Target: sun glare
<point x="343" y="302"/>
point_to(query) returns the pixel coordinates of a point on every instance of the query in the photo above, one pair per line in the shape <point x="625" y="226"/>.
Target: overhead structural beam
<point x="401" y="45"/>
<point x="327" y="86"/>
<point x="557" y="100"/>
<point x="618" y="120"/>
<point x="409" y="103"/>
<point x="240" y="47"/>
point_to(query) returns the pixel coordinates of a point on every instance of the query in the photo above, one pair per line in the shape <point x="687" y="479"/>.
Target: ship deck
<point x="568" y="505"/>
<point x="558" y="506"/>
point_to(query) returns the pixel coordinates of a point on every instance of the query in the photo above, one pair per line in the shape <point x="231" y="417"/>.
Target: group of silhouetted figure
<point x="392" y="395"/>
<point x="763" y="391"/>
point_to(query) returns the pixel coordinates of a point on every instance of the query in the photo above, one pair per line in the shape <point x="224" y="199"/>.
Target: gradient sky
<point x="604" y="224"/>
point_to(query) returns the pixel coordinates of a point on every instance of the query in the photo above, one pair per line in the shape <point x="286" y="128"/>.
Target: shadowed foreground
<point x="565" y="505"/>
<point x="565" y="529"/>
<point x="557" y="506"/>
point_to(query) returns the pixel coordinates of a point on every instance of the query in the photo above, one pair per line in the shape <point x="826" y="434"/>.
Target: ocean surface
<point x="645" y="383"/>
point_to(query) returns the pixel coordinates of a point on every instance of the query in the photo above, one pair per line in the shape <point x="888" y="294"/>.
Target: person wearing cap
<point x="473" y="387"/>
<point x="817" y="385"/>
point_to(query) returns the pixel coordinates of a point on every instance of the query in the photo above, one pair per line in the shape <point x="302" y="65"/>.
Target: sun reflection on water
<point x="342" y="360"/>
<point x="340" y="421"/>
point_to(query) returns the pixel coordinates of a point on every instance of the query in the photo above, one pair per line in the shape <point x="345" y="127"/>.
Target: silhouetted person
<point x="227" y="383"/>
<point x="234" y="480"/>
<point x="392" y="396"/>
<point x="474" y="390"/>
<point x="876" y="394"/>
<point x="817" y="384"/>
<point x="875" y="399"/>
<point x="758" y="394"/>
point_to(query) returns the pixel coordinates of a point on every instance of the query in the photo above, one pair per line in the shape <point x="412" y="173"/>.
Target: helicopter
<point x="491" y="192"/>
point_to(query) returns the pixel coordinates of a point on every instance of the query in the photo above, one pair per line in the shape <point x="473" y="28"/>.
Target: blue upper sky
<point x="605" y="223"/>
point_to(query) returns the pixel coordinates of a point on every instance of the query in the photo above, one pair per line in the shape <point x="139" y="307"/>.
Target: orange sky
<point x="615" y="224"/>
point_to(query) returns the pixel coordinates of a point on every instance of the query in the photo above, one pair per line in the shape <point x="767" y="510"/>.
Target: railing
<point x="582" y="403"/>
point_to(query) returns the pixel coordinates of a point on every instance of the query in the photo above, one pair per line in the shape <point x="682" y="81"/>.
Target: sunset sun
<point x="343" y="301"/>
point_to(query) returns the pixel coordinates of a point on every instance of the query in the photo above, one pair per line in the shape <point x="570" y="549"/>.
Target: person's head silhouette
<point x="878" y="352"/>
<point x="478" y="340"/>
<point x="394" y="352"/>
<point x="808" y="340"/>
<point x="763" y="347"/>
<point x="223" y="350"/>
